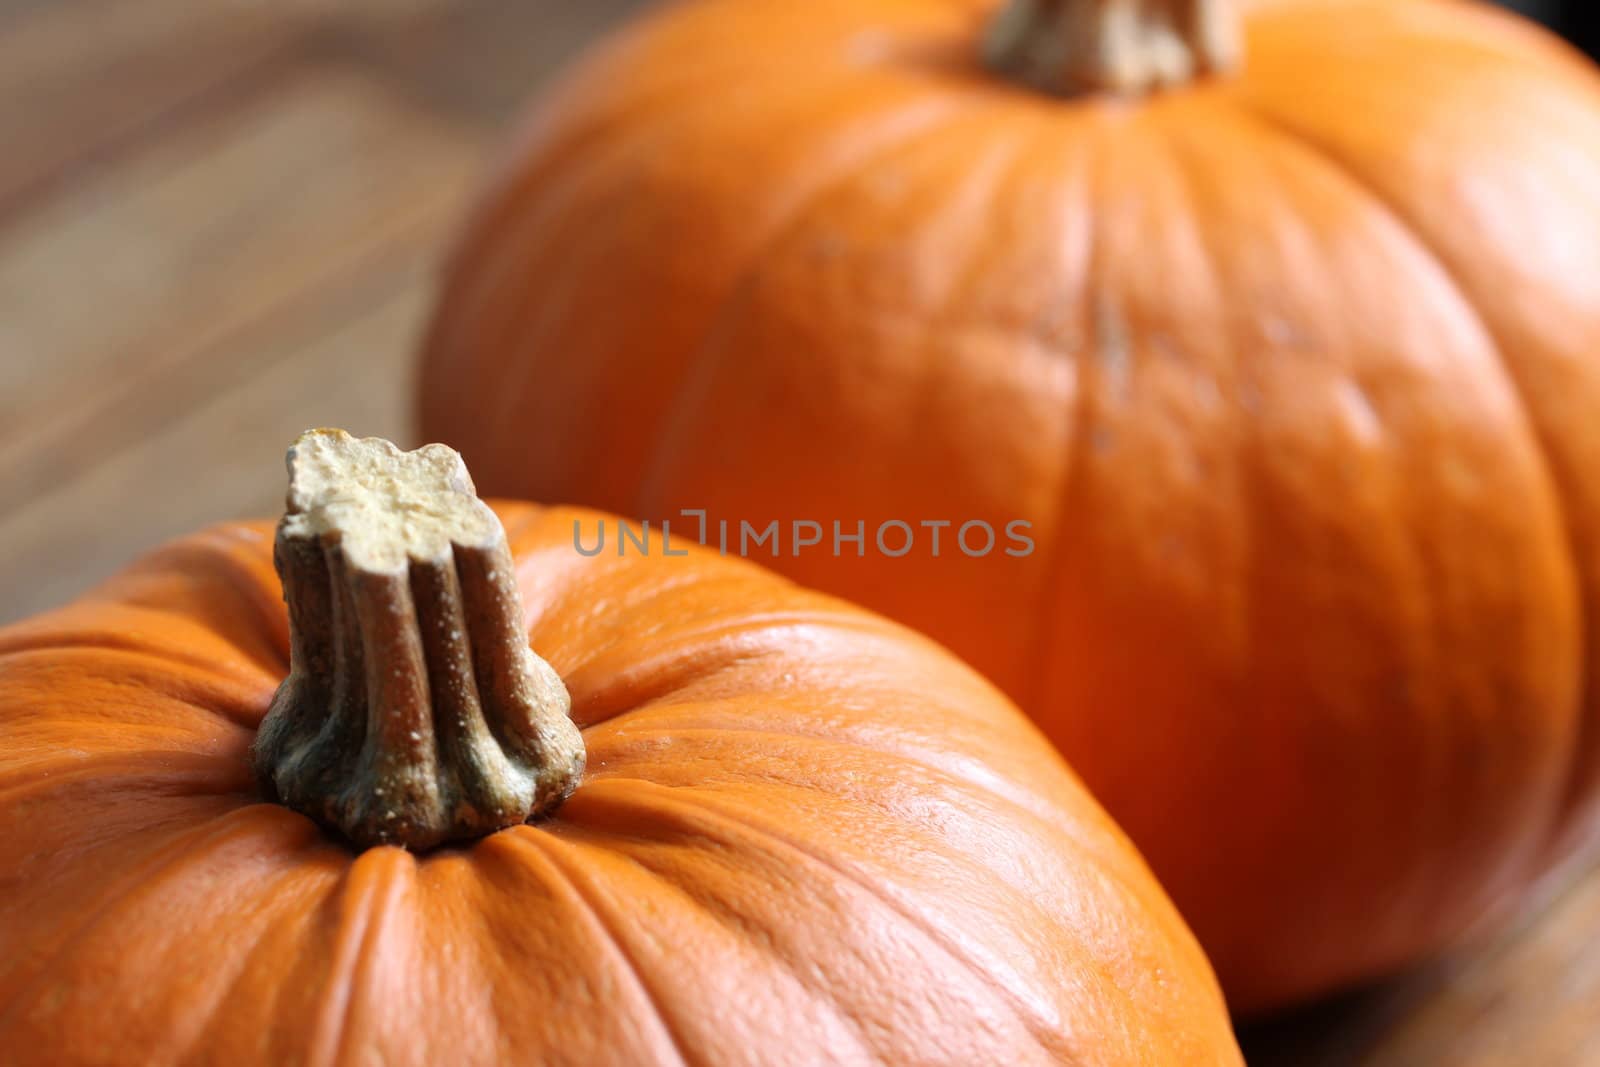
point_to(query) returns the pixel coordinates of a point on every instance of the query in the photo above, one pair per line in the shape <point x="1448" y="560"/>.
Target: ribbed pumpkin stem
<point x="1069" y="47"/>
<point x="414" y="713"/>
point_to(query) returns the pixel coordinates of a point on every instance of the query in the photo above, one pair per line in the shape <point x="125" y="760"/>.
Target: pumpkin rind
<point x="1293" y="372"/>
<point x="805" y="835"/>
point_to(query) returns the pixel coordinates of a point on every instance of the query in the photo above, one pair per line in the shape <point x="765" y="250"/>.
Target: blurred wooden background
<point x="218" y="225"/>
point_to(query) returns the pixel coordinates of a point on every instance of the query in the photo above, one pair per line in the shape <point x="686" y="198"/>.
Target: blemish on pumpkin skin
<point x="869" y="48"/>
<point x="1281" y="333"/>
<point x="1358" y="413"/>
<point x="1111" y="345"/>
<point x="1207" y="396"/>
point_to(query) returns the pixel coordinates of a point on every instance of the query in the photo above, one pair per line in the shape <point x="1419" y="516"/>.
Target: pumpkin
<point x="768" y="827"/>
<point x="1276" y="326"/>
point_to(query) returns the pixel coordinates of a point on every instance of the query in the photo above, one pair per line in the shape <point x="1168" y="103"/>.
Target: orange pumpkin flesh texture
<point x="1293" y="371"/>
<point x="805" y="836"/>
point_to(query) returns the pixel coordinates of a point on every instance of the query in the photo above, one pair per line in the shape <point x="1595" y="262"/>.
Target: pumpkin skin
<point x="805" y="835"/>
<point x="1292" y="371"/>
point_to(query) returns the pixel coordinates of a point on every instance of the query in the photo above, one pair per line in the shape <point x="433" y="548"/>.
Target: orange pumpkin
<point x="1292" y="368"/>
<point x="804" y="835"/>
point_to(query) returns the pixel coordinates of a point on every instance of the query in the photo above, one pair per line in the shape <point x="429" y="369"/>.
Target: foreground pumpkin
<point x="804" y="835"/>
<point x="1293" y="368"/>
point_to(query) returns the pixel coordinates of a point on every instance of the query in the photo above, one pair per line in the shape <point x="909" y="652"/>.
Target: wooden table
<point x="218" y="225"/>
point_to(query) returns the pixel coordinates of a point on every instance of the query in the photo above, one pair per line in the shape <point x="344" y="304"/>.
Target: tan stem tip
<point x="1069" y="47"/>
<point x="414" y="713"/>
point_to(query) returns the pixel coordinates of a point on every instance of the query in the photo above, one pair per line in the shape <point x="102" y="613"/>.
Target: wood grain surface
<point x="219" y="221"/>
<point x="218" y="225"/>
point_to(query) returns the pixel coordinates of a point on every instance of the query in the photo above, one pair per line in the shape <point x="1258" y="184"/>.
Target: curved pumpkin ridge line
<point x="1032" y="695"/>
<point x="1109" y="850"/>
<point x="545" y="847"/>
<point x="239" y="710"/>
<point x="581" y="832"/>
<point x="244" y="547"/>
<point x="654" y="677"/>
<point x="993" y="788"/>
<point x="43" y="639"/>
<point x="473" y="279"/>
<point x="1243" y="448"/>
<point x="1042" y="626"/>
<point x="1048" y="1036"/>
<point x="185" y="847"/>
<point x="1586" y="721"/>
<point x="985" y="175"/>
<point x="709" y="356"/>
<point x="365" y="899"/>
<point x="644" y="600"/>
<point x="1423" y="566"/>
<point x="278" y="907"/>
<point x="1251" y="500"/>
<point x="290" y="910"/>
<point x="1111" y="863"/>
<point x="44" y="775"/>
<point x="1418" y="570"/>
<point x="232" y="552"/>
<point x="525" y="256"/>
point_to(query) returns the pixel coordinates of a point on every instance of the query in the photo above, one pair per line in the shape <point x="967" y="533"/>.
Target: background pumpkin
<point x="805" y="835"/>
<point x="1292" y="369"/>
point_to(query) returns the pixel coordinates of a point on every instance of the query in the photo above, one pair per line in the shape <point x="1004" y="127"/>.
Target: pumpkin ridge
<point x="222" y="698"/>
<point x="1047" y="1034"/>
<point x="20" y="642"/>
<point x="706" y="357"/>
<point x="364" y="899"/>
<point x="718" y="639"/>
<point x="189" y="845"/>
<point x="1098" y="846"/>
<point x="510" y="389"/>
<point x="258" y="956"/>
<point x="130" y="766"/>
<point x="1586" y="720"/>
<point x="547" y="847"/>
<point x="267" y="895"/>
<point x="606" y="839"/>
<point x="992" y="790"/>
<point x="689" y="81"/>
<point x="1078" y="439"/>
<point x="233" y="554"/>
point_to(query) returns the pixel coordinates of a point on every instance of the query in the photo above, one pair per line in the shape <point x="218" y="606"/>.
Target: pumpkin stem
<point x="414" y="713"/>
<point x="1068" y="47"/>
